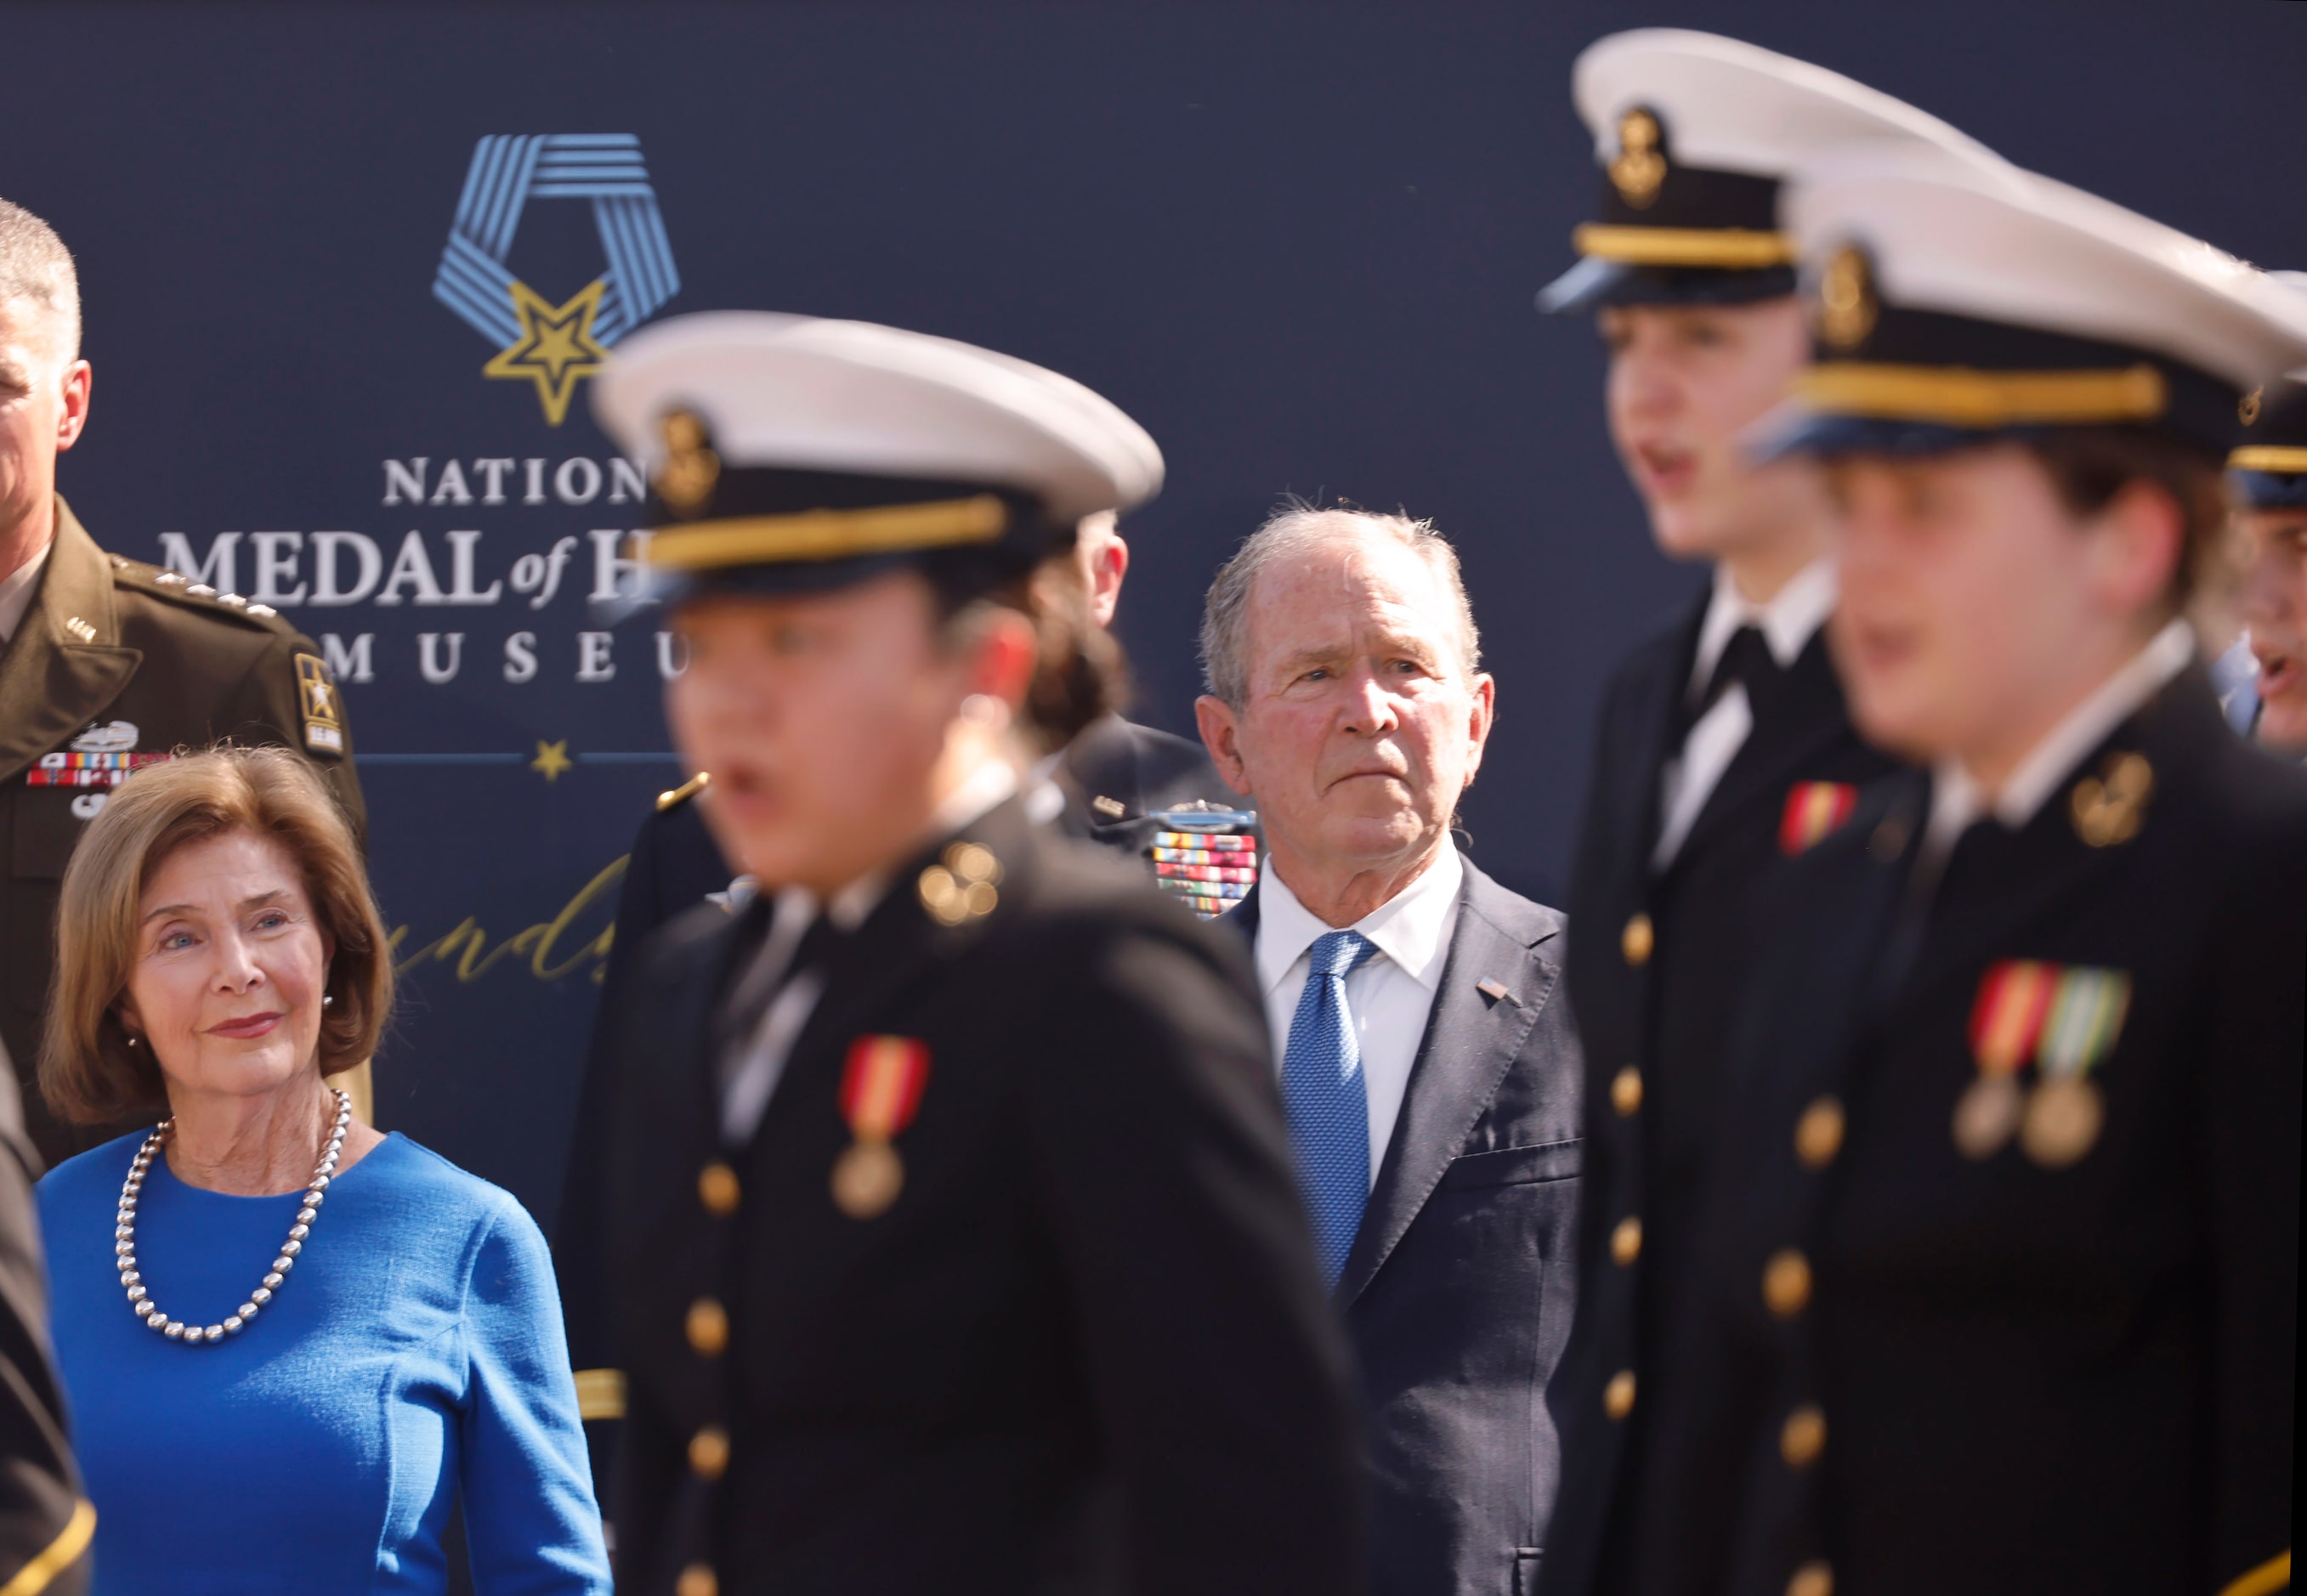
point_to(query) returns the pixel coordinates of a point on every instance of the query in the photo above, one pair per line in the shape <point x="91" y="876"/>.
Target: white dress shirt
<point x="16" y="591"/>
<point x="750" y="1074"/>
<point x="1787" y="623"/>
<point x="1958" y="801"/>
<point x="1389" y="996"/>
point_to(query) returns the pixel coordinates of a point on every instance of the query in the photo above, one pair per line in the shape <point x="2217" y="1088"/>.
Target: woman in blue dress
<point x="288" y="1342"/>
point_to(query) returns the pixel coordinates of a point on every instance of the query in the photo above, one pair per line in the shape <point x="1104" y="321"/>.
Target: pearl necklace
<point x="125" y="1236"/>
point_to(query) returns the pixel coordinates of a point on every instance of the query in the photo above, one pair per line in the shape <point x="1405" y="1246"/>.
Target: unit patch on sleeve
<point x="324" y="723"/>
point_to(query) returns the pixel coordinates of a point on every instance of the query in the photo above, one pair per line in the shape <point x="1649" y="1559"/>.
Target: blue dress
<point x="416" y="1348"/>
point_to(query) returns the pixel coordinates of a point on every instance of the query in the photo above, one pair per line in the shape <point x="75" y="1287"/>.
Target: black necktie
<point x="750" y="1001"/>
<point x="1747" y="661"/>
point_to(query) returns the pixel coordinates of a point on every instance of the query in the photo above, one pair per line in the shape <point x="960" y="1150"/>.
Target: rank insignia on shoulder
<point x="1206" y="854"/>
<point x="2108" y="808"/>
<point x="688" y="789"/>
<point x="882" y="1086"/>
<point x="325" y="721"/>
<point x="2063" y="1020"/>
<point x="1815" y="811"/>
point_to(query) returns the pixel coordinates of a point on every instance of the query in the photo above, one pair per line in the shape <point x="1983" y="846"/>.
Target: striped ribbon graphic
<point x="510" y="169"/>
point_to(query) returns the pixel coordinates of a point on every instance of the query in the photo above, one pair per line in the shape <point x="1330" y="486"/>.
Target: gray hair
<point x="1293" y="529"/>
<point x="37" y="269"/>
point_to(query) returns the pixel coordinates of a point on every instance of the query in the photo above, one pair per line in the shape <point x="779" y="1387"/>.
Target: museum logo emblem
<point x="553" y="346"/>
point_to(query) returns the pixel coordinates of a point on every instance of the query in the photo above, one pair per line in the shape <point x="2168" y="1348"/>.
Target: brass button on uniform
<point x="716" y="1188"/>
<point x="1618" y="1396"/>
<point x="1811" y="1579"/>
<point x="697" y="1580"/>
<point x="1802" y="1436"/>
<point x="1818" y="1134"/>
<point x="708" y="1327"/>
<point x="1636" y="941"/>
<point x="1627" y="1090"/>
<point x="1785" y="1283"/>
<point x="708" y="1453"/>
<point x="1627" y="1239"/>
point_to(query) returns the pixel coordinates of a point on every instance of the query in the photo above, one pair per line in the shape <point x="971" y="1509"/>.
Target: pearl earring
<point x="985" y="710"/>
<point x="327" y="998"/>
<point x="132" y="1038"/>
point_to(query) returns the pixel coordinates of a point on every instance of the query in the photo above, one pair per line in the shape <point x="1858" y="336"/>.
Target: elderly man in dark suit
<point x="1428" y="1060"/>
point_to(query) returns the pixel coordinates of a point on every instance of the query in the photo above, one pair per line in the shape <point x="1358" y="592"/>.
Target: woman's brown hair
<point x="89" y="1074"/>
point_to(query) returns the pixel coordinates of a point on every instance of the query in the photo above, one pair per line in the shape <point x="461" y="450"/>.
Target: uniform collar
<point x="981" y="792"/>
<point x="1411" y="928"/>
<point x="1958" y="801"/>
<point x="16" y="591"/>
<point x="1787" y="622"/>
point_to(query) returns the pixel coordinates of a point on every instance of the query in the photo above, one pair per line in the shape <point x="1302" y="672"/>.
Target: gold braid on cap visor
<point x="1731" y="249"/>
<point x="1960" y="397"/>
<point x="2284" y="460"/>
<point x="828" y="534"/>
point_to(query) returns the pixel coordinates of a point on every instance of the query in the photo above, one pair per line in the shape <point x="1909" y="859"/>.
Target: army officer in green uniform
<point x="106" y="663"/>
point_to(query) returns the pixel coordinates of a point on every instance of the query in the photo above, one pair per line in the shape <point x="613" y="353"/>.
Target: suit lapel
<point x="66" y="665"/>
<point x="1469" y="1044"/>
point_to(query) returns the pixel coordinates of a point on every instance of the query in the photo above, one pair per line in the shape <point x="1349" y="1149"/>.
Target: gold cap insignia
<point x="2109" y="807"/>
<point x="685" y="480"/>
<point x="1845" y="304"/>
<point x="1640" y="168"/>
<point x="2247" y="409"/>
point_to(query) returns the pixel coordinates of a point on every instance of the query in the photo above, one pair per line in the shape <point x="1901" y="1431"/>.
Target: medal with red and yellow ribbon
<point x="1815" y="811"/>
<point x="880" y="1089"/>
<point x="2062" y="1018"/>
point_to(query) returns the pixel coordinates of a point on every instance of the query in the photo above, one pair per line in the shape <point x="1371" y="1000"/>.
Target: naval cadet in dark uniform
<point x="1108" y="781"/>
<point x="2267" y="478"/>
<point x="954" y="1242"/>
<point x="46" y="1523"/>
<point x="1724" y="745"/>
<point x="106" y="663"/>
<point x="2000" y="1273"/>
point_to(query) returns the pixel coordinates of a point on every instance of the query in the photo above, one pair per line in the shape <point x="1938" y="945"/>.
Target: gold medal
<point x="2063" y="1118"/>
<point x="1985" y="1116"/>
<point x="867" y="1179"/>
<point x="881" y="1089"/>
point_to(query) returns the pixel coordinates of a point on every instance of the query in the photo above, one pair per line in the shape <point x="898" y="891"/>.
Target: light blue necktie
<point x="1326" y="1099"/>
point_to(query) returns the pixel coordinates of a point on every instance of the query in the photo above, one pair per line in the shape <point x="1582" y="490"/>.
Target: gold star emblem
<point x="556" y="348"/>
<point x="552" y="759"/>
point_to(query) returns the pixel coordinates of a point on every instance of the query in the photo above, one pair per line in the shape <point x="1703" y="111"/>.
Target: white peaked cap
<point x="811" y="394"/>
<point x="1732" y="106"/>
<point x="2023" y="250"/>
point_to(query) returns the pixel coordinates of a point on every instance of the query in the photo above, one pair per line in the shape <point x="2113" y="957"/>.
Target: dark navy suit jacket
<point x="1459" y="1289"/>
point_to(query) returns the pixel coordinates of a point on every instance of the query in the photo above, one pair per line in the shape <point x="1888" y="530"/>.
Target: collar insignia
<point x="962" y="887"/>
<point x="2108" y="808"/>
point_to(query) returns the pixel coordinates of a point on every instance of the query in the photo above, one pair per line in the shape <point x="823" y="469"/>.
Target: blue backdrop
<point x="1298" y="242"/>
